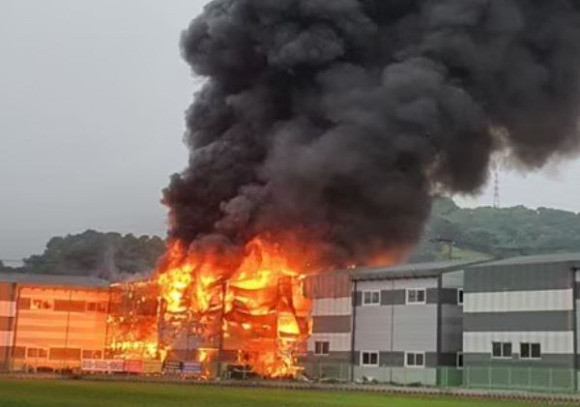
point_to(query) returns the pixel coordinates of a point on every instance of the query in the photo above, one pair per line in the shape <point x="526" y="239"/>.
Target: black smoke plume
<point x="338" y="120"/>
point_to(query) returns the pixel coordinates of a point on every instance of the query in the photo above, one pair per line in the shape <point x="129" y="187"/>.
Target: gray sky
<point x="92" y="95"/>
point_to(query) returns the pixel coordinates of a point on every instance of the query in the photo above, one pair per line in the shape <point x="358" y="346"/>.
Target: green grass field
<point x="17" y="393"/>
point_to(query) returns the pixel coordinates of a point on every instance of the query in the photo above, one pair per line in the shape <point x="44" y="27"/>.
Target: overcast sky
<point x="92" y="95"/>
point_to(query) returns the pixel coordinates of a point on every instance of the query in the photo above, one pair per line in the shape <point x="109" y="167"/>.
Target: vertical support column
<point x="353" y="362"/>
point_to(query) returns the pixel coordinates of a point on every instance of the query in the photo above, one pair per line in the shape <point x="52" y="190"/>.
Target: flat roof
<point x="410" y="270"/>
<point x="536" y="259"/>
<point x="53" y="280"/>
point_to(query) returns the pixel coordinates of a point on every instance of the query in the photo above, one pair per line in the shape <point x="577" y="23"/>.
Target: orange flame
<point x="258" y="308"/>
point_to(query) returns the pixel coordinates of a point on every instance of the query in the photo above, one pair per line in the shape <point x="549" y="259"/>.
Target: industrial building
<point x="51" y="322"/>
<point x="407" y="322"/>
<point x="506" y="324"/>
<point x="521" y="323"/>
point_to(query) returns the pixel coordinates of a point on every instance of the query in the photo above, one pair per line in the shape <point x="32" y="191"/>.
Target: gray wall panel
<point x="332" y="324"/>
<point x="555" y="361"/>
<point x="546" y="276"/>
<point x="452" y="279"/>
<point x="393" y="297"/>
<point x="415" y="328"/>
<point x="373" y="328"/>
<point x="451" y="328"/>
<point x="554" y="321"/>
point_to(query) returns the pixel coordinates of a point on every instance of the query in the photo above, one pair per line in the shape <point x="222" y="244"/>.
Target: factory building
<point x="51" y="322"/>
<point x="521" y="323"/>
<point x="407" y="322"/>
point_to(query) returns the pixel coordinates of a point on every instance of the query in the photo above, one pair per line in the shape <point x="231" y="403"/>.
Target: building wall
<point x="529" y="303"/>
<point x="7" y="315"/>
<point x="332" y="323"/>
<point x="58" y="327"/>
<point x="451" y="324"/>
<point x="393" y="328"/>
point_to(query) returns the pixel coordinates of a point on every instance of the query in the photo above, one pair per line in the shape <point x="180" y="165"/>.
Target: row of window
<point x="412" y="359"/>
<point x="412" y="296"/>
<point x="62" y="305"/>
<point x="504" y="350"/>
<point x="60" y="353"/>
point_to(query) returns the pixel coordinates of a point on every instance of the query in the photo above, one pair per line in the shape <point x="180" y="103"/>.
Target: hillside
<point x="490" y="232"/>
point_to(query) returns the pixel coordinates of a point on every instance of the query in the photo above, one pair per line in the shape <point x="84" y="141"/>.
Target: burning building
<point x="321" y="135"/>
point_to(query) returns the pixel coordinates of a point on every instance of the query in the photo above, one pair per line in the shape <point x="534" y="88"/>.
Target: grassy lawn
<point x="16" y="393"/>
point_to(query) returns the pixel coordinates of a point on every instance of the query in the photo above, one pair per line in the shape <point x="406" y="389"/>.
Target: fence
<point x="323" y="370"/>
<point x="511" y="378"/>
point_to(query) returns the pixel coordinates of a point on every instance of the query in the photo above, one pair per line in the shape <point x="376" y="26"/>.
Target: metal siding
<point x="561" y="361"/>
<point x="332" y="324"/>
<point x="519" y="301"/>
<point x="551" y="342"/>
<point x="372" y="328"/>
<point x="415" y="328"/>
<point x="7" y="308"/>
<point x="7" y="292"/>
<point x="338" y="342"/>
<point x="452" y="279"/>
<point x="451" y="329"/>
<point x="416" y="283"/>
<point x="332" y="306"/>
<point x="556" y="321"/>
<point x="528" y="277"/>
<point x="393" y="297"/>
<point x="578" y="327"/>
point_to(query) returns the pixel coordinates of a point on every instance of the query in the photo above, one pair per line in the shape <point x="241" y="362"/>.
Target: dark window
<point x="91" y="306"/>
<point x="92" y="354"/>
<point x="36" y="353"/>
<point x="415" y="359"/>
<point x="19" y="352"/>
<point x="460" y="296"/>
<point x="370" y="358"/>
<point x="416" y="296"/>
<point x="530" y="351"/>
<point x="460" y="360"/>
<point x="322" y="348"/>
<point x="371" y="297"/>
<point x="501" y="350"/>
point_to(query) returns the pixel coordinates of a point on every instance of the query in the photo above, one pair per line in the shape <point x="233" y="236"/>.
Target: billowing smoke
<point x="336" y="121"/>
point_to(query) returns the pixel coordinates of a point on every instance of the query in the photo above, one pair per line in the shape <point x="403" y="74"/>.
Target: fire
<point x="257" y="308"/>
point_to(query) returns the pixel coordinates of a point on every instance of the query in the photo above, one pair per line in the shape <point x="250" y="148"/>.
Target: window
<point x="91" y="307"/>
<point x="92" y="354"/>
<point x="369" y="358"/>
<point x="371" y="297"/>
<point x="23" y="303"/>
<point x="38" y="304"/>
<point x="36" y="353"/>
<point x="413" y="359"/>
<point x="416" y="296"/>
<point x="501" y="350"/>
<point x="460" y="296"/>
<point x="530" y="351"/>
<point x="459" y="361"/>
<point x="321" y="348"/>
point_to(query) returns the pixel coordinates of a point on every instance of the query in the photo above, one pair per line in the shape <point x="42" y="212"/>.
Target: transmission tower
<point x="496" y="200"/>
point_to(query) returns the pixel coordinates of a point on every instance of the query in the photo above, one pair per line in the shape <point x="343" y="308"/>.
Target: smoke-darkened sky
<point x="92" y="96"/>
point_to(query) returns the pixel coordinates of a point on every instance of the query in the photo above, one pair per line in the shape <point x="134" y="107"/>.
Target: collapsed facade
<point x="508" y="324"/>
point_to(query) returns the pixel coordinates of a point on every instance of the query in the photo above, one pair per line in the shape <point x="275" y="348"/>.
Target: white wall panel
<point x="6" y="338"/>
<point x="338" y="342"/>
<point x="332" y="307"/>
<point x="519" y="301"/>
<point x="7" y="309"/>
<point x="551" y="342"/>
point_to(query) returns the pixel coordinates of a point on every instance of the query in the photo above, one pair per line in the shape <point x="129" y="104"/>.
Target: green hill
<point x="490" y="232"/>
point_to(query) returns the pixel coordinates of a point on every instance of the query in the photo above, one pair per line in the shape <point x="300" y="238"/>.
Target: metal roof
<point x="52" y="280"/>
<point x="537" y="259"/>
<point x="411" y="270"/>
